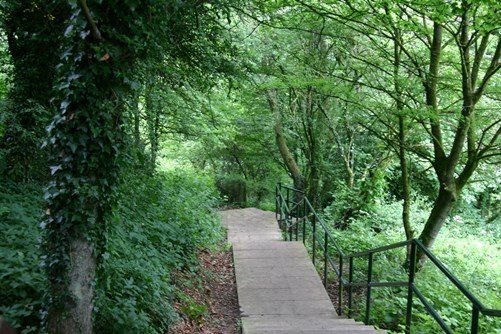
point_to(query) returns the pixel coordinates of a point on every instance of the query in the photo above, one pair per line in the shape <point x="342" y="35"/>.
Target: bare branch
<point x="488" y="147"/>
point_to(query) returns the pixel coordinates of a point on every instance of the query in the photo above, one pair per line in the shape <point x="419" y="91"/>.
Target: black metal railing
<point x="295" y="213"/>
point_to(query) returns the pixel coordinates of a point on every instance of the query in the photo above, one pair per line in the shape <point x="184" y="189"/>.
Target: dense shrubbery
<point x="160" y="223"/>
<point x="21" y="278"/>
<point x="469" y="251"/>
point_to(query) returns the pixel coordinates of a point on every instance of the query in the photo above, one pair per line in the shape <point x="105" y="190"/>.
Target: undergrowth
<point x="471" y="253"/>
<point x="159" y="224"/>
<point x="21" y="278"/>
<point x="162" y="221"/>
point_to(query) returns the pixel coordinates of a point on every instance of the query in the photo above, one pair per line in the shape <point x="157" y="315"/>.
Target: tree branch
<point x="494" y="66"/>
<point x="93" y="27"/>
<point x="479" y="54"/>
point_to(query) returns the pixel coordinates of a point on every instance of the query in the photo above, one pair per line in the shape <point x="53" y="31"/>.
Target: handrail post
<point x="350" y="288"/>
<point x="297" y="221"/>
<point x="314" y="235"/>
<point x="368" y="301"/>
<point x="341" y="285"/>
<point x="288" y="197"/>
<point x="326" y="254"/>
<point x="410" y="292"/>
<point x="474" y="320"/>
<point x="278" y="188"/>
<point x="304" y="220"/>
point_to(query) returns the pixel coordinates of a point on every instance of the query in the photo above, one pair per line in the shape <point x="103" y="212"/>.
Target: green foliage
<point x="233" y="189"/>
<point x="26" y="80"/>
<point x="96" y="74"/>
<point x="471" y="254"/>
<point x="5" y="69"/>
<point x="21" y="278"/>
<point x="338" y="91"/>
<point x="161" y="222"/>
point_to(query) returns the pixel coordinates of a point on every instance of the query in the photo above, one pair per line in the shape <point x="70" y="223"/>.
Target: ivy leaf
<point x="73" y="76"/>
<point x="64" y="105"/>
<point x="68" y="30"/>
<point x="73" y="3"/>
<point x="73" y="147"/>
<point x="84" y="34"/>
<point x="54" y="169"/>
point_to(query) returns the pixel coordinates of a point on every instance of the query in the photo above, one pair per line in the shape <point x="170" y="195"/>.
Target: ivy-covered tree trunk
<point x="85" y="141"/>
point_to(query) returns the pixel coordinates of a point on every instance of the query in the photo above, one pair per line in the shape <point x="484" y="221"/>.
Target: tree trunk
<point x="402" y="138"/>
<point x="137" y="126"/>
<point x="446" y="166"/>
<point x="346" y="154"/>
<point x="78" y="318"/>
<point x="441" y="209"/>
<point x="404" y="169"/>
<point x="290" y="162"/>
<point x="86" y="136"/>
<point x="153" y="121"/>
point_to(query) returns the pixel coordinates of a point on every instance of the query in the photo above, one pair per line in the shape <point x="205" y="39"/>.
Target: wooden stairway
<point x="278" y="288"/>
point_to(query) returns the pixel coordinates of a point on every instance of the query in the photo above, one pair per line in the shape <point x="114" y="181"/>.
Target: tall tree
<point x="102" y="42"/>
<point x="465" y="34"/>
<point x="301" y="93"/>
<point x="452" y="167"/>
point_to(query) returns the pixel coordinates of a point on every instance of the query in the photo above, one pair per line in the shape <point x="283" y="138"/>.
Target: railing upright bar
<point x="410" y="293"/>
<point x="297" y="221"/>
<point x="474" y="319"/>
<point x="314" y="235"/>
<point x="326" y="244"/>
<point x="276" y="200"/>
<point x="350" y="288"/>
<point x="280" y="206"/>
<point x="368" y="301"/>
<point x="304" y="221"/>
<point x="287" y="197"/>
<point x="340" y="278"/>
<point x="288" y="214"/>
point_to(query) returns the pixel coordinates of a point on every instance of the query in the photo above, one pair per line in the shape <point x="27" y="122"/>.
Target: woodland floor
<point x="213" y="308"/>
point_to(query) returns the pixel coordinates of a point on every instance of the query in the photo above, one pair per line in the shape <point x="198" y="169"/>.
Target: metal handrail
<point x="301" y="211"/>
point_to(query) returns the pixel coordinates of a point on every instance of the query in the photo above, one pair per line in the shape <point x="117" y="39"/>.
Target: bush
<point x="233" y="189"/>
<point x="21" y="278"/>
<point x="161" y="222"/>
<point x="470" y="253"/>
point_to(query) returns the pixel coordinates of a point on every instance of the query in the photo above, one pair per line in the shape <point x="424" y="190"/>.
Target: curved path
<point x="279" y="290"/>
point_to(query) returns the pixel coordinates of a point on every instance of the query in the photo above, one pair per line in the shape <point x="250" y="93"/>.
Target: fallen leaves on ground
<point x="211" y="306"/>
